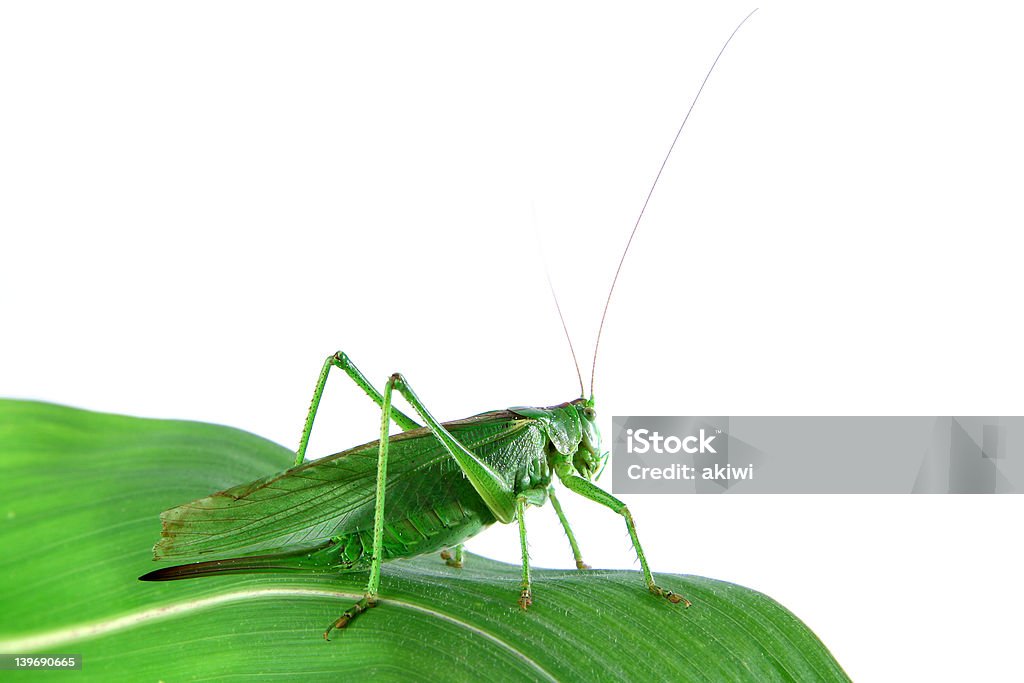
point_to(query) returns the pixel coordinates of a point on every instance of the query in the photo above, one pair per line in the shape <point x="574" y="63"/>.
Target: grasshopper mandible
<point x="432" y="487"/>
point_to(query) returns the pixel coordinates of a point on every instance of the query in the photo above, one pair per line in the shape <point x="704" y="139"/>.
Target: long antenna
<point x="558" y="307"/>
<point x="604" y="313"/>
<point x="583" y="392"/>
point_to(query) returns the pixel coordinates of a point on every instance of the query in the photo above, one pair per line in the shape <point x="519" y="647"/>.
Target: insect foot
<point x="351" y="613"/>
<point x="451" y="560"/>
<point x="580" y="564"/>
<point x="674" y="598"/>
<point x="525" y="598"/>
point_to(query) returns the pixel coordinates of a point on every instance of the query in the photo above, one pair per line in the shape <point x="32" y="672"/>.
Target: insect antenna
<point x="558" y="307"/>
<point x="629" y="242"/>
<point x="565" y="328"/>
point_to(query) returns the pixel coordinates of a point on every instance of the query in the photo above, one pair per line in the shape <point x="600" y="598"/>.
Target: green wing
<point x="316" y="501"/>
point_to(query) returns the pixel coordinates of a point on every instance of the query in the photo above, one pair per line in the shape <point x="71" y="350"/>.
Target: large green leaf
<point x="80" y="493"/>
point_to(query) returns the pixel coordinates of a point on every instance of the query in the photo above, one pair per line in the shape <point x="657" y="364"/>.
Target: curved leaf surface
<point x="80" y="496"/>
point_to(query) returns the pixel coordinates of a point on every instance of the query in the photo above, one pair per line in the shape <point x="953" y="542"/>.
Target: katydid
<point x="427" y="489"/>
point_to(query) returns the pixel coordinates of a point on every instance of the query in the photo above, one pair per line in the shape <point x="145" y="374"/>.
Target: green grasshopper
<point x="427" y="489"/>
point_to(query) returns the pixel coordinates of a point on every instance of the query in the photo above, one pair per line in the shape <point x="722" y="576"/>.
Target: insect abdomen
<point x="441" y="527"/>
<point x="444" y="526"/>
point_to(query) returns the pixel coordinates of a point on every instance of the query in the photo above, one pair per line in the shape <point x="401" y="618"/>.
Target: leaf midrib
<point x="72" y="634"/>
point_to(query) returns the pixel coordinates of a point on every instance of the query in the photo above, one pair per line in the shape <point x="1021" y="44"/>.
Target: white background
<point x="200" y="201"/>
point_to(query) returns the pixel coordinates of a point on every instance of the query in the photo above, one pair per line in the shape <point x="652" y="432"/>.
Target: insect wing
<point x="306" y="505"/>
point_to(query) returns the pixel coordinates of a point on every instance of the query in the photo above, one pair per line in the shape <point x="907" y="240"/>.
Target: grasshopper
<point x="427" y="489"/>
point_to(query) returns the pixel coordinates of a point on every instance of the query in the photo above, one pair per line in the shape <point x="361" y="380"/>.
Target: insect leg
<point x="494" y="489"/>
<point x="525" y="597"/>
<point x="595" y="493"/>
<point x="453" y="560"/>
<point x="373" y="584"/>
<point x="341" y="360"/>
<point x="580" y="564"/>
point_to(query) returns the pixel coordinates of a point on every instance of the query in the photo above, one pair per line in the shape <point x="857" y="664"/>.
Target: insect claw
<point x="342" y="622"/>
<point x="451" y="560"/>
<point x="350" y="614"/>
<point x="525" y="599"/>
<point x="674" y="598"/>
<point x="580" y="564"/>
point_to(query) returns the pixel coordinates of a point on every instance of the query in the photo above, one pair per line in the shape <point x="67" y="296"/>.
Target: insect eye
<point x="590" y="412"/>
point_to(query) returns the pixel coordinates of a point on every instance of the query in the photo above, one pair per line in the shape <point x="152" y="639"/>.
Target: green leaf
<point x="80" y="493"/>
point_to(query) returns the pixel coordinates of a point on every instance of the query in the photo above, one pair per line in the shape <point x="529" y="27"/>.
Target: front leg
<point x="589" y="490"/>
